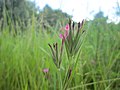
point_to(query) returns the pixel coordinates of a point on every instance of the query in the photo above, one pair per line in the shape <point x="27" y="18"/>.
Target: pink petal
<point x="45" y="70"/>
<point x="67" y="27"/>
<point x="61" y="36"/>
<point x="66" y="34"/>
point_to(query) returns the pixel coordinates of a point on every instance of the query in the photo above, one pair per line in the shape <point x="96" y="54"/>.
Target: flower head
<point x="72" y="37"/>
<point x="61" y="36"/>
<point x="66" y="32"/>
<point x="67" y="27"/>
<point x="45" y="70"/>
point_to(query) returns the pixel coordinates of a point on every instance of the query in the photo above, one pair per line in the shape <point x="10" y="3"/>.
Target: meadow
<point x="24" y="57"/>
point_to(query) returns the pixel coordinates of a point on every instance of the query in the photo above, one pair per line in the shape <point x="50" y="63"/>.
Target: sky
<point x="83" y="9"/>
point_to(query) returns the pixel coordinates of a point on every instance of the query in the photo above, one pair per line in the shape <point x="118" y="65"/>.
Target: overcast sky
<point x="83" y="9"/>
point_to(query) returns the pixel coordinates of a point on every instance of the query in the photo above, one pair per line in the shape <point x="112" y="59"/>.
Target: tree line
<point x="21" y="12"/>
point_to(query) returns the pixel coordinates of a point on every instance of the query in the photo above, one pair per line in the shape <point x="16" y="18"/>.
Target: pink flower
<point x="61" y="36"/>
<point x="65" y="33"/>
<point x="67" y="27"/>
<point x="45" y="70"/>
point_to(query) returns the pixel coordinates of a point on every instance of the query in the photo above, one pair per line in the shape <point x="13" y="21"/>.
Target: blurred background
<point x="51" y="12"/>
<point x="86" y="9"/>
<point x="26" y="28"/>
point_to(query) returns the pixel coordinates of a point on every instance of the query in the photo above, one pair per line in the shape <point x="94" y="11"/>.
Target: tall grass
<point x="24" y="56"/>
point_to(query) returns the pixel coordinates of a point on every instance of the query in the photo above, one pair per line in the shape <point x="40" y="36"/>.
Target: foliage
<point x="13" y="12"/>
<point x="17" y="9"/>
<point x="50" y="17"/>
<point x="100" y="14"/>
<point x="24" y="56"/>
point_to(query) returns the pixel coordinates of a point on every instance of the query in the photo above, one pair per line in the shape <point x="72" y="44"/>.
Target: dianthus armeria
<point x="46" y="73"/>
<point x="57" y="54"/>
<point x="45" y="70"/>
<point x="73" y="37"/>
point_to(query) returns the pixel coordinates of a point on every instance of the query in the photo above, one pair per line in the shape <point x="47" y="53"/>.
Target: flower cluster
<point x="72" y="38"/>
<point x="64" y="36"/>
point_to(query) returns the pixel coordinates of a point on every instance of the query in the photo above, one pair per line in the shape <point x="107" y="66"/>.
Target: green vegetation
<point x="25" y="54"/>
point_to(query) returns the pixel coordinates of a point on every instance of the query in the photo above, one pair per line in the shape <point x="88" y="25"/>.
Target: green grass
<point x="24" y="56"/>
